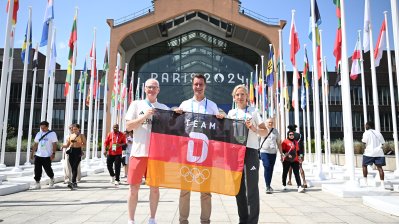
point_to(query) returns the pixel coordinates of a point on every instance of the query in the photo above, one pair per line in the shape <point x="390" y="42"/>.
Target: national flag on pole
<point x="106" y="64"/>
<point x="270" y="69"/>
<point x="14" y="11"/>
<point x="27" y="45"/>
<point x="380" y="44"/>
<point x="338" y="36"/>
<point x="35" y="62"/>
<point x="338" y="79"/>
<point x="305" y="73"/>
<point x="303" y="95"/>
<point x="293" y="42"/>
<point x="115" y="91"/>
<point x="51" y="69"/>
<point x="130" y="94"/>
<point x="317" y="21"/>
<point x="124" y="85"/>
<point x="48" y="16"/>
<point x="72" y="41"/>
<point x="187" y="157"/>
<point x="83" y="78"/>
<point x="355" y="70"/>
<point x="366" y="26"/>
<point x="94" y="68"/>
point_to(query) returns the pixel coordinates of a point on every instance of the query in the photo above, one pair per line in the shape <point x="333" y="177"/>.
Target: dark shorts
<point x="378" y="161"/>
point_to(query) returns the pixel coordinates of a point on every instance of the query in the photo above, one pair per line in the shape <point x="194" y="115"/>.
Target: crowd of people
<point x="132" y="149"/>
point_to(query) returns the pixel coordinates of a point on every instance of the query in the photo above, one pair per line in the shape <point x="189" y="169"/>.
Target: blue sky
<point x="94" y="14"/>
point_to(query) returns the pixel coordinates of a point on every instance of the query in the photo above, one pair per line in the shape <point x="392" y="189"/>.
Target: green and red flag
<point x="72" y="41"/>
<point x="338" y="36"/>
<point x="14" y="11"/>
<point x="197" y="153"/>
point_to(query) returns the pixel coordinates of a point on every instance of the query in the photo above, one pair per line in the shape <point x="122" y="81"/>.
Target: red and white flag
<point x="355" y="71"/>
<point x="380" y="45"/>
<point x="293" y="41"/>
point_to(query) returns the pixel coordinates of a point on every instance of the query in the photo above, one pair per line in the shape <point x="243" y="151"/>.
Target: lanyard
<point x="245" y="115"/>
<point x="117" y="137"/>
<point x="149" y="104"/>
<point x="192" y="106"/>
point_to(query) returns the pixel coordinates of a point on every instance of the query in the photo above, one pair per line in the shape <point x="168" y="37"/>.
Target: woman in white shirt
<point x="248" y="196"/>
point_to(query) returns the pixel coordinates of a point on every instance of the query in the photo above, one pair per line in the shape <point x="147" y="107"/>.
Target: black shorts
<point x="378" y="161"/>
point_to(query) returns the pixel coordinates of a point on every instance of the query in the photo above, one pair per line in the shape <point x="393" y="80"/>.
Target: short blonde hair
<point x="151" y="80"/>
<point x="241" y="86"/>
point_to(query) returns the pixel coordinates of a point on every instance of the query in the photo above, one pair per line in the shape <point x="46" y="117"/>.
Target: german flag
<point x="196" y="152"/>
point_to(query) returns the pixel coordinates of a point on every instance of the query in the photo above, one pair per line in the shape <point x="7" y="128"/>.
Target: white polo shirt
<point x="204" y="106"/>
<point x="141" y="139"/>
<point x="256" y="120"/>
<point x="45" y="145"/>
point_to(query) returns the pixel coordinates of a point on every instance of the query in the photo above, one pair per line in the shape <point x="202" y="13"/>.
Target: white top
<point x="141" y="140"/>
<point x="244" y="114"/>
<point x="271" y="143"/>
<point x="374" y="141"/>
<point x="45" y="146"/>
<point x="204" y="106"/>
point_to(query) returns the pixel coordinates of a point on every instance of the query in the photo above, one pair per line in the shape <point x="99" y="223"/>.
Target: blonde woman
<point x="248" y="196"/>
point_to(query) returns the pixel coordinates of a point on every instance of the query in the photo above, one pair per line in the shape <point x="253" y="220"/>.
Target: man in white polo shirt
<point x="139" y="118"/>
<point x="198" y="104"/>
<point x="44" y="152"/>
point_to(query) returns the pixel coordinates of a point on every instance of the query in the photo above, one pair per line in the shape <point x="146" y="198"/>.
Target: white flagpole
<point x="89" y="123"/>
<point x="323" y="95"/>
<point x="287" y="112"/>
<point x="95" y="122"/>
<point x="363" y="84"/>
<point x="46" y="76"/>
<point x="104" y="129"/>
<point x="51" y="86"/>
<point x="373" y="76"/>
<point x="319" y="173"/>
<point x="84" y="102"/>
<point x="142" y="91"/>
<point x="23" y="92"/>
<point x="264" y="90"/>
<point x="5" y="122"/>
<point x="5" y="69"/>
<point x="346" y="100"/>
<point x="394" y="9"/>
<point x="256" y="93"/>
<point x="80" y="96"/>
<point x="305" y="147"/>
<point x="328" y="142"/>
<point x="32" y="105"/>
<point x="391" y="89"/>
<point x="310" y="159"/>
<point x="281" y="80"/>
<point x="271" y="109"/>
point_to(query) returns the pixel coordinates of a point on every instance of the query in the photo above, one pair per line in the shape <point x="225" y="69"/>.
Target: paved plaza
<point x="97" y="201"/>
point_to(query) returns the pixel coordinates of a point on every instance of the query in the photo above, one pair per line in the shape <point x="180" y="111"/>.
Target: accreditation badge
<point x="113" y="147"/>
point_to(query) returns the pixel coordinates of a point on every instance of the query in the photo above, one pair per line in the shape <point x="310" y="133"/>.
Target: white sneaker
<point x="116" y="183"/>
<point x="130" y="222"/>
<point x="37" y="186"/>
<point x="382" y="187"/>
<point x="152" y="221"/>
<point x="284" y="188"/>
<point x="51" y="183"/>
<point x="301" y="189"/>
<point x="112" y="180"/>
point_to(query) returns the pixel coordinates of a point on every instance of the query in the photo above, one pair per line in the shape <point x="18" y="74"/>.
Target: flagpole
<point x="5" y="69"/>
<point x="319" y="173"/>
<point x="89" y="123"/>
<point x="363" y="83"/>
<point x="262" y="57"/>
<point x="323" y="95"/>
<point x="303" y="88"/>
<point x="95" y="122"/>
<point x="84" y="100"/>
<point x="287" y="111"/>
<point x="73" y="86"/>
<point x="256" y="93"/>
<point x="346" y="101"/>
<point x="45" y="76"/>
<point x="80" y="96"/>
<point x="308" y="125"/>
<point x="95" y="148"/>
<point x="394" y="9"/>
<point x="23" y="92"/>
<point x="5" y="122"/>
<point x="391" y="90"/>
<point x="280" y="49"/>
<point x="104" y="125"/>
<point x="51" y="86"/>
<point x="327" y="86"/>
<point x="373" y="77"/>
<point x="271" y="109"/>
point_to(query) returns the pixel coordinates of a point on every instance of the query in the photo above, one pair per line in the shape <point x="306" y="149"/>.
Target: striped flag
<point x="14" y="11"/>
<point x="270" y="69"/>
<point x="72" y="40"/>
<point x="251" y="91"/>
<point x="355" y="70"/>
<point x="115" y="91"/>
<point x="380" y="44"/>
<point x="185" y="157"/>
<point x="305" y="73"/>
<point x="48" y="17"/>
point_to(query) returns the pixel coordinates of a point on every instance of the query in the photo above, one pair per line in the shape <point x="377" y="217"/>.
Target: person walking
<point x="113" y="151"/>
<point x="248" y="197"/>
<point x="198" y="104"/>
<point x="290" y="158"/>
<point x="138" y="119"/>
<point x="43" y="152"/>
<point x="268" y="153"/>
<point x="373" y="153"/>
<point x="75" y="142"/>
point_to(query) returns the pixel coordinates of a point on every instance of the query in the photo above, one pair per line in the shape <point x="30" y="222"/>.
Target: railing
<point x="143" y="12"/>
<point x="259" y="17"/>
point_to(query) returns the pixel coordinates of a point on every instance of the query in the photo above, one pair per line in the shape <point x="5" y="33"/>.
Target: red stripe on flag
<point x="172" y="148"/>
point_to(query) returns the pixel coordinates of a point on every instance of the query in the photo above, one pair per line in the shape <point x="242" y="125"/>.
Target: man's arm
<point x="54" y="150"/>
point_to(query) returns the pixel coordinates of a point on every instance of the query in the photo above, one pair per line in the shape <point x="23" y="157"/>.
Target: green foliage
<point x="11" y="131"/>
<point x="337" y="146"/>
<point x="358" y="147"/>
<point x="11" y="145"/>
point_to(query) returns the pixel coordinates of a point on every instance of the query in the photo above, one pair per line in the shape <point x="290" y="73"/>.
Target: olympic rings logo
<point x="194" y="174"/>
